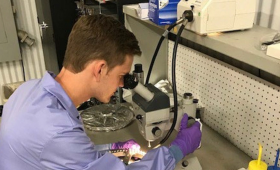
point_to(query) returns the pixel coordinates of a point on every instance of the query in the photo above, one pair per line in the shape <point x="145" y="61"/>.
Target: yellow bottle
<point x="258" y="164"/>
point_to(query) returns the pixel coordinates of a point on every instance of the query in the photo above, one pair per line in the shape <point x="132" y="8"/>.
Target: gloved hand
<point x="129" y="144"/>
<point x="188" y="139"/>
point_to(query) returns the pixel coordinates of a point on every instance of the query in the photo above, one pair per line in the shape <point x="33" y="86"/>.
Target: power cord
<point x="188" y="17"/>
<point x="163" y="36"/>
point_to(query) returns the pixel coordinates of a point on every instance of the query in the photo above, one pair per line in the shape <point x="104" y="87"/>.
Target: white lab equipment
<point x="153" y="108"/>
<point x="273" y="50"/>
<point x="186" y="104"/>
<point x="212" y="16"/>
<point x="154" y="114"/>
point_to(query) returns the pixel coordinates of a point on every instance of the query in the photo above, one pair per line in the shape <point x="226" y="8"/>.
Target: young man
<point x="41" y="128"/>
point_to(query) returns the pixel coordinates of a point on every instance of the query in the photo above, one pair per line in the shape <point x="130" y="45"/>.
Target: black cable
<point x="157" y="49"/>
<point x="174" y="88"/>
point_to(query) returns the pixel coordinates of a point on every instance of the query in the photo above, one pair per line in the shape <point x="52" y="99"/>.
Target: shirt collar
<point x="52" y="86"/>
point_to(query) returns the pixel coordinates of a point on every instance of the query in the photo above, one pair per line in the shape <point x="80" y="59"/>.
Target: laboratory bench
<point x="237" y="48"/>
<point x="216" y="153"/>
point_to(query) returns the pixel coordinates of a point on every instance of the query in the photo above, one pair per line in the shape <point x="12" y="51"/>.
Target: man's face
<point x="113" y="79"/>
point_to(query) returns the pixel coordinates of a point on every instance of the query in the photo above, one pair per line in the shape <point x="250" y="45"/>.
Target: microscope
<point x="154" y="108"/>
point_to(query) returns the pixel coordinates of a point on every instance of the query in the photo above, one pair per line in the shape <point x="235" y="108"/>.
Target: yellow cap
<point x="253" y="165"/>
<point x="258" y="164"/>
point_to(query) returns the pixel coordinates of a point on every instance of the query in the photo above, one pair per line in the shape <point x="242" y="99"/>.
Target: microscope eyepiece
<point x="130" y="81"/>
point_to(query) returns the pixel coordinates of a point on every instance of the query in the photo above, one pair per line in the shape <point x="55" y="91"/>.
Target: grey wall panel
<point x="9" y="46"/>
<point x="32" y="57"/>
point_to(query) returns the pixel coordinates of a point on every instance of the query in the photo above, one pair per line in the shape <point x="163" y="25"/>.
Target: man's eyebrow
<point x="125" y="72"/>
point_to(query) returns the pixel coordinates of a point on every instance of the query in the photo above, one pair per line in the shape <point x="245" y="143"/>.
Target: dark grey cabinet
<point x="9" y="45"/>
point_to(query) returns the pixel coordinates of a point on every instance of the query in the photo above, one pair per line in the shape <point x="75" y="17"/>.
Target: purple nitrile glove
<point x="129" y="144"/>
<point x="188" y="139"/>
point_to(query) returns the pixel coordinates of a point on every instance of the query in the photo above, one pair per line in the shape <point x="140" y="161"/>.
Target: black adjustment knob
<point x="138" y="68"/>
<point x="139" y="117"/>
<point x="195" y="100"/>
<point x="192" y="6"/>
<point x="156" y="131"/>
<point x="185" y="163"/>
<point x="187" y="95"/>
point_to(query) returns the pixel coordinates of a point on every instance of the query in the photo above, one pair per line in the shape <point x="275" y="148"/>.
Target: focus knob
<point x="192" y="7"/>
<point x="156" y="131"/>
<point x="139" y="117"/>
<point x="185" y="163"/>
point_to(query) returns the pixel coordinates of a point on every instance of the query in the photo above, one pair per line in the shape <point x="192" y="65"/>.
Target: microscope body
<point x="152" y="116"/>
<point x="186" y="104"/>
<point x="155" y="116"/>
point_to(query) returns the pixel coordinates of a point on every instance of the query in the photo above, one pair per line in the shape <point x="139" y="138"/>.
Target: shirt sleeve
<point x="72" y="149"/>
<point x="156" y="159"/>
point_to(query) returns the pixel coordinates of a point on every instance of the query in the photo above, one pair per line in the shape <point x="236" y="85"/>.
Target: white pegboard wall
<point x="241" y="107"/>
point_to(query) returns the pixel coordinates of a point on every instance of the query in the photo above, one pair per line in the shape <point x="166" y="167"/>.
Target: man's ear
<point x="99" y="69"/>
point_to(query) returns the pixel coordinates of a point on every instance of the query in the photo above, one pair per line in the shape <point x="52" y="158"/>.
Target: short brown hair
<point x="99" y="37"/>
